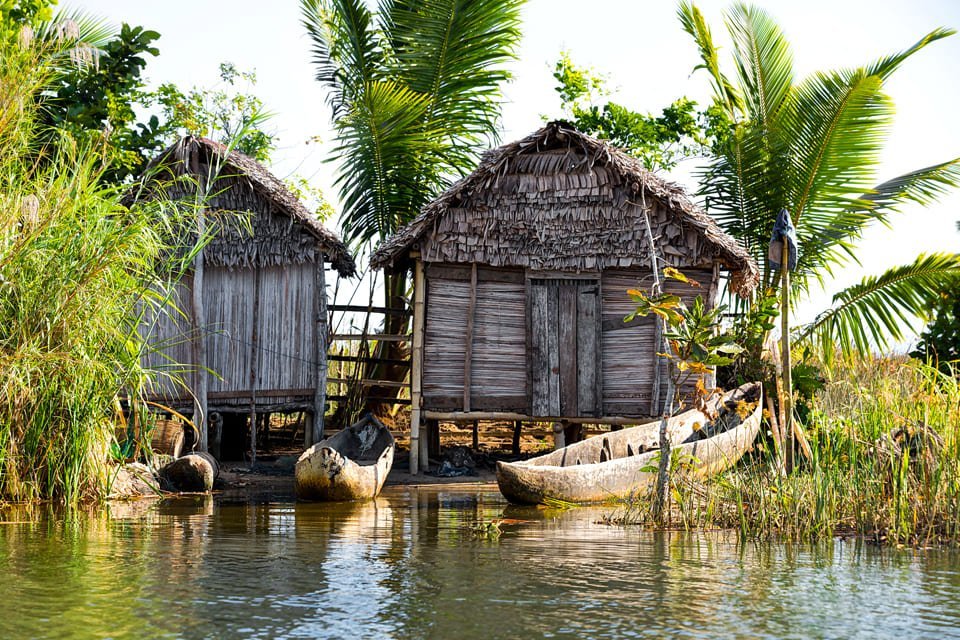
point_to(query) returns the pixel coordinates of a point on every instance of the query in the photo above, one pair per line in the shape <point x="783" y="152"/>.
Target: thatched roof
<point x="561" y="199"/>
<point x="192" y="155"/>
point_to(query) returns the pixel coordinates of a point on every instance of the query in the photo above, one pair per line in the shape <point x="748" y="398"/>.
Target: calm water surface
<point x="408" y="566"/>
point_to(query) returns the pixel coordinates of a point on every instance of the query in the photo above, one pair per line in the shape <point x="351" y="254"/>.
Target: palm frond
<point x="693" y="23"/>
<point x="874" y="313"/>
<point x="923" y="186"/>
<point x="455" y="53"/>
<point x="888" y="64"/>
<point x="93" y="30"/>
<point x="764" y="62"/>
<point x="345" y="47"/>
<point x="383" y="146"/>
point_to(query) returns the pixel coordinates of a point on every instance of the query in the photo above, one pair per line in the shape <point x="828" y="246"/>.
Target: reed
<point x="884" y="465"/>
<point x="77" y="267"/>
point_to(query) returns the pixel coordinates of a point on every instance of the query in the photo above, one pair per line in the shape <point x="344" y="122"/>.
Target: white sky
<point x="638" y="43"/>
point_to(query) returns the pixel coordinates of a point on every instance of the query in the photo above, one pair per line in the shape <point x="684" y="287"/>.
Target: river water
<point x="409" y="566"/>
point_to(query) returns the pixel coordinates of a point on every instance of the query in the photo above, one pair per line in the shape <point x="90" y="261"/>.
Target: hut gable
<point x="284" y="232"/>
<point x="560" y="200"/>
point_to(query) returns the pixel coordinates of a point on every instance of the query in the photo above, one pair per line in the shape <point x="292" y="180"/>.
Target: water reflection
<point x="408" y="566"/>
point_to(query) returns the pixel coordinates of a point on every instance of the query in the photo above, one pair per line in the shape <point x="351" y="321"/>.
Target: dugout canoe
<point x="612" y="466"/>
<point x="350" y="465"/>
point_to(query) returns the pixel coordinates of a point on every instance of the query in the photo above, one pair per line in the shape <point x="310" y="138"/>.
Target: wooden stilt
<point x="416" y="367"/>
<point x="517" y="426"/>
<point x="558" y="436"/>
<point x="476" y="435"/>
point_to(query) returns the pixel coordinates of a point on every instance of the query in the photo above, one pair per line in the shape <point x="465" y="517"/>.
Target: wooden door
<point x="565" y="345"/>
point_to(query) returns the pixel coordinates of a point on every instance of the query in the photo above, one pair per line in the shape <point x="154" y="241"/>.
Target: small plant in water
<point x="488" y="530"/>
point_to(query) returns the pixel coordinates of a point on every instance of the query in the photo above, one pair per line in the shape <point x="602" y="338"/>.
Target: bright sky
<point x="638" y="43"/>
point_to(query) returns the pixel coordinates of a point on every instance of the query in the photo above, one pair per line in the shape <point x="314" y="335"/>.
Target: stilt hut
<point x="520" y="278"/>
<point x="250" y="320"/>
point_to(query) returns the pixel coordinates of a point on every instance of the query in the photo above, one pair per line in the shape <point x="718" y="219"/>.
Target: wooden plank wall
<point x="168" y="330"/>
<point x="628" y="349"/>
<point x="287" y="328"/>
<point x="497" y="353"/>
<point x="286" y="341"/>
<point x="499" y="362"/>
<point x="444" y="347"/>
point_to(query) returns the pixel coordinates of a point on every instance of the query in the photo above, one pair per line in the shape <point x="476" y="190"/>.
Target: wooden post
<point x="199" y="344"/>
<point x="476" y="435"/>
<point x="320" y="393"/>
<point x="558" y="436"/>
<point x="786" y="401"/>
<point x="468" y="347"/>
<point x="517" y="426"/>
<point x="416" y="364"/>
<point x="254" y="358"/>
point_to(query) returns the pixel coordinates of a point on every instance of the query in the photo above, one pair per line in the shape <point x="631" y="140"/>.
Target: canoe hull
<point x="621" y="477"/>
<point x="332" y="471"/>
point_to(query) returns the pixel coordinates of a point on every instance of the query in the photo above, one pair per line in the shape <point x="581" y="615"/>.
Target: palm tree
<point x="813" y="147"/>
<point x="415" y="93"/>
<point x="414" y="90"/>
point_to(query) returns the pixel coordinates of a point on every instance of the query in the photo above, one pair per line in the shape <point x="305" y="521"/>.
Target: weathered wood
<point x="615" y="465"/>
<point x="553" y="351"/>
<point x="589" y="351"/>
<point x="567" y="334"/>
<point x="459" y="416"/>
<point x="455" y="403"/>
<point x="199" y="345"/>
<point x="475" y="440"/>
<point x="517" y="428"/>
<point x="464" y="273"/>
<point x="254" y="361"/>
<point x="416" y="365"/>
<point x="468" y="338"/>
<point x="351" y="465"/>
<point x="539" y="354"/>
<point x="372" y="398"/>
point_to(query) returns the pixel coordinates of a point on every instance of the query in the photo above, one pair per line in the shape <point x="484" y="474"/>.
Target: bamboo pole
<point x="320" y="392"/>
<point x="199" y="344"/>
<point x="416" y="365"/>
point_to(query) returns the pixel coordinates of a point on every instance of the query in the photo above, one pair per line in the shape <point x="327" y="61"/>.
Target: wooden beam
<point x="369" y="360"/>
<point x="357" y="308"/>
<point x="360" y="337"/>
<point x="459" y="416"/>
<point x="416" y="365"/>
<point x="315" y="433"/>
<point x="468" y="347"/>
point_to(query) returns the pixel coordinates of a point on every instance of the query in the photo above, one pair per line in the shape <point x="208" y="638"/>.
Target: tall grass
<point x="885" y="465"/>
<point x="76" y="268"/>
